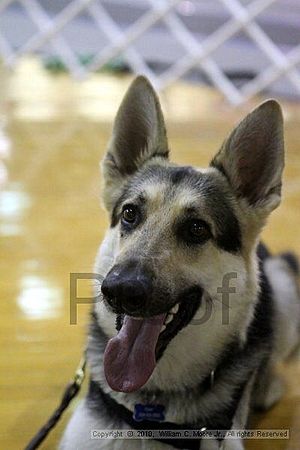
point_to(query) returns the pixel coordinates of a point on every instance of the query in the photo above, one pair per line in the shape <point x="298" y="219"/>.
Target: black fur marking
<point x="292" y="261"/>
<point x="218" y="202"/>
<point x="180" y="174"/>
<point x="184" y="232"/>
<point x="230" y="240"/>
<point x="263" y="252"/>
<point x="260" y="332"/>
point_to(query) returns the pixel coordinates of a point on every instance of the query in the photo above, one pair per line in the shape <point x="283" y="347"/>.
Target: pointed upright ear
<point x="138" y="134"/>
<point x="252" y="158"/>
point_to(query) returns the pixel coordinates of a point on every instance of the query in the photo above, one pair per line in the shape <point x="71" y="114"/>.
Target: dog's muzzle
<point x="146" y="320"/>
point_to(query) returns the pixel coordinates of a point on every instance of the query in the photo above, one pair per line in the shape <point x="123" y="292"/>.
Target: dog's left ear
<point x="252" y="158"/>
<point x="138" y="134"/>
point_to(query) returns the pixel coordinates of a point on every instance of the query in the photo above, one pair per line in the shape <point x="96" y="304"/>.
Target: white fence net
<point x="241" y="47"/>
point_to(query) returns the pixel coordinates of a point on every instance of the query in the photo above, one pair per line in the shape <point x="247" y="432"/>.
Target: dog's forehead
<point x="184" y="186"/>
<point x="168" y="191"/>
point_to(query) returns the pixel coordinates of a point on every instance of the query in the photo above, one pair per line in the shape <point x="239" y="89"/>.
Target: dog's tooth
<point x="175" y="308"/>
<point x="163" y="328"/>
<point x="169" y="318"/>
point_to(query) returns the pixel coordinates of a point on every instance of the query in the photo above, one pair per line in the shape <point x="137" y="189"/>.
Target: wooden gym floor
<point x="53" y="133"/>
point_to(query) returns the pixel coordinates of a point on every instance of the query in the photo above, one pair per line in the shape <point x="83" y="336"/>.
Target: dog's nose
<point x="128" y="287"/>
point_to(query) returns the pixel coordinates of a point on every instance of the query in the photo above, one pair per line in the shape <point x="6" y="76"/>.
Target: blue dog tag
<point x="156" y="413"/>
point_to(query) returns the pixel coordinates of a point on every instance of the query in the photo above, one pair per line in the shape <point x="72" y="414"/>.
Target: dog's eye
<point x="198" y="230"/>
<point x="129" y="214"/>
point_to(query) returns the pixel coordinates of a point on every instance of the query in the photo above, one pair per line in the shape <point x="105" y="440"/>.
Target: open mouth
<point x="131" y="356"/>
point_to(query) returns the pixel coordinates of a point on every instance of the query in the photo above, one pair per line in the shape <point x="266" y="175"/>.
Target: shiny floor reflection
<point x="53" y="133"/>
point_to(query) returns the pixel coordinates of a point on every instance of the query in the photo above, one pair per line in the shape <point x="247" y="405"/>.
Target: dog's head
<point x="176" y="232"/>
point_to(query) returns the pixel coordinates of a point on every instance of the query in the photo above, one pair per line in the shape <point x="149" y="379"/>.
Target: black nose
<point x="128" y="287"/>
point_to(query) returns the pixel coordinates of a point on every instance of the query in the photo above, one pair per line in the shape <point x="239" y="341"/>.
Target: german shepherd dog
<point x="194" y="312"/>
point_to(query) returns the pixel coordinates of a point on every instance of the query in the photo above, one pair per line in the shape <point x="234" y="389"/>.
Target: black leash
<point x="70" y="392"/>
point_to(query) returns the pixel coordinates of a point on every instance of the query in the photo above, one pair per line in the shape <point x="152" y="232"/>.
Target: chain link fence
<point x="241" y="47"/>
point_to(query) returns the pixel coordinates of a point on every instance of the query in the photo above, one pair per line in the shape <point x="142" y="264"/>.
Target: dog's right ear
<point x="138" y="134"/>
<point x="252" y="158"/>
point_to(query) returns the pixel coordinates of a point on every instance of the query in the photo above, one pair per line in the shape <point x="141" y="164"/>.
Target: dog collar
<point x="120" y="412"/>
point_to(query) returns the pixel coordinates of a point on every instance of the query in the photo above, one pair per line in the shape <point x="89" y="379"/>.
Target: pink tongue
<point x="129" y="357"/>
